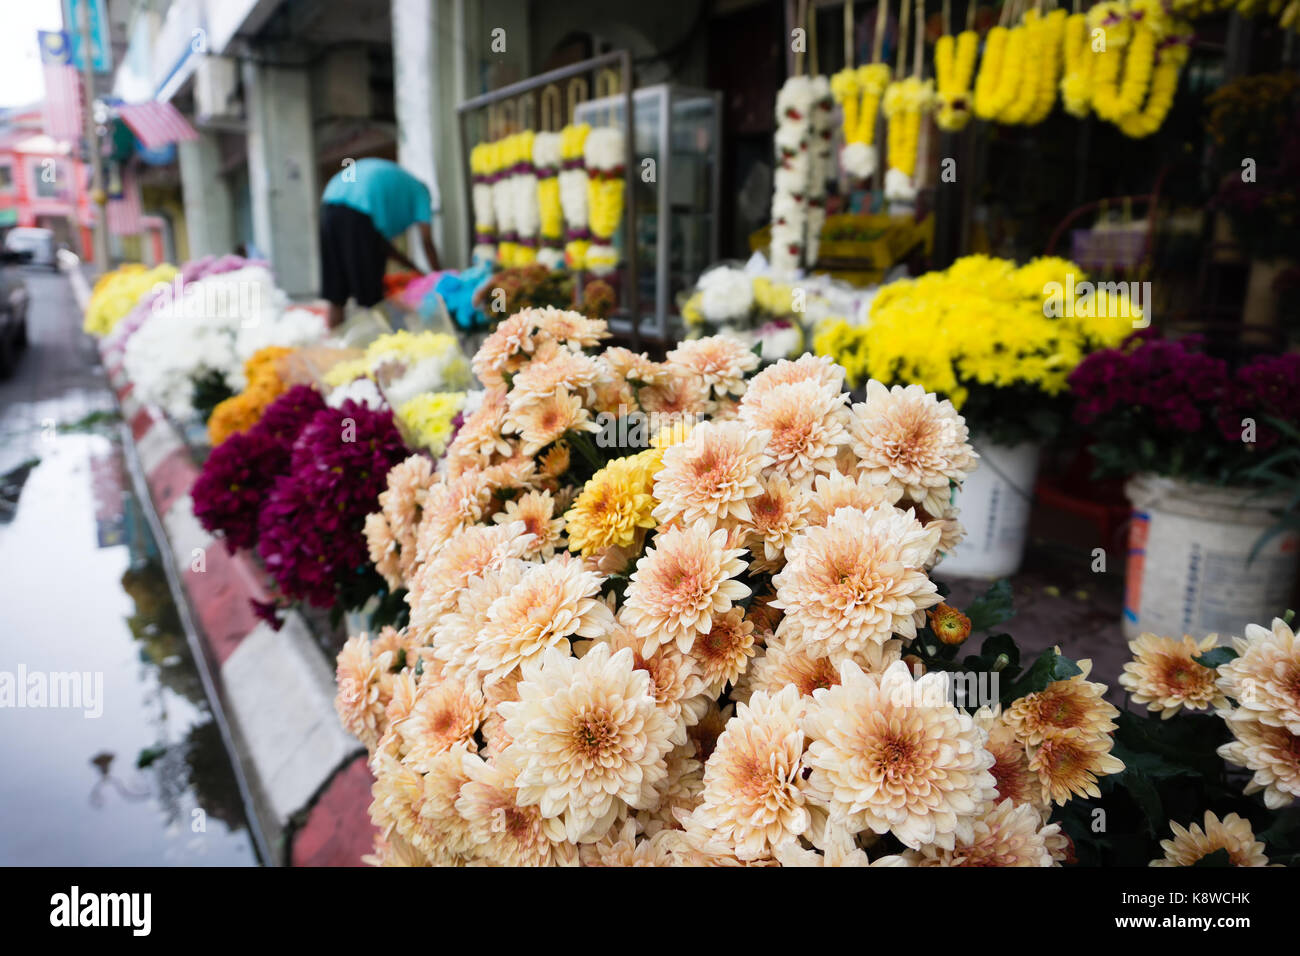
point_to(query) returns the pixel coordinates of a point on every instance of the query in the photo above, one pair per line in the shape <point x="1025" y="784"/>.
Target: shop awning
<point x="156" y="124"/>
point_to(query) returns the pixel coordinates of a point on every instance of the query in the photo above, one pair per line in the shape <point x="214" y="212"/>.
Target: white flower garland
<point x="547" y="156"/>
<point x="789" y="199"/>
<point x="820" y="165"/>
<point x="573" y="194"/>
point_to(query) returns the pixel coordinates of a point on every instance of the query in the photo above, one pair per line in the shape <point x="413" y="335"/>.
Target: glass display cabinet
<point x="676" y="199"/>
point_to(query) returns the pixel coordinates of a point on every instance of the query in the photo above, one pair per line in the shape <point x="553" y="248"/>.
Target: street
<point x="100" y="703"/>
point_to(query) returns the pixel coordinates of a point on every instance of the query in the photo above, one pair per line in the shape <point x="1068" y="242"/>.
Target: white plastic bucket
<point x="1187" y="560"/>
<point x="994" y="505"/>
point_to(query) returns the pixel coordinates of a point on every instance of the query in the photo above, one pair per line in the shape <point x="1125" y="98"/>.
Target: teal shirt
<point x="384" y="191"/>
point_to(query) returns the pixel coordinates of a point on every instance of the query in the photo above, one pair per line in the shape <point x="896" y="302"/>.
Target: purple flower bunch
<point x="310" y="528"/>
<point x="1173" y="382"/>
<point x="241" y="471"/>
<point x="1155" y="404"/>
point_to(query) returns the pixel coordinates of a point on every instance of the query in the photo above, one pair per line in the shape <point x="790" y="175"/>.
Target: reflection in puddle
<point x="148" y="782"/>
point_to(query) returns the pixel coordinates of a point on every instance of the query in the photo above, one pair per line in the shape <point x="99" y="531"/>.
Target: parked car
<point x="39" y="242"/>
<point x="13" y="310"/>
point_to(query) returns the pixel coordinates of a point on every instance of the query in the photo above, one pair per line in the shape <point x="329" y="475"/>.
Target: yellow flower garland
<point x="873" y="78"/>
<point x="905" y="101"/>
<point x="1076" y="86"/>
<point x="986" y="80"/>
<point x="954" y="69"/>
<point x="1114" y="97"/>
<point x="1018" y="89"/>
<point x="1051" y="33"/>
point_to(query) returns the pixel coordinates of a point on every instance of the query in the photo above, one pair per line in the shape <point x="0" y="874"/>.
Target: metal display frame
<point x="622" y="61"/>
<point x="666" y="95"/>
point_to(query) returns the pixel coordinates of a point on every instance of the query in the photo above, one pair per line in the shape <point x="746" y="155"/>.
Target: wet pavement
<point x="129" y="768"/>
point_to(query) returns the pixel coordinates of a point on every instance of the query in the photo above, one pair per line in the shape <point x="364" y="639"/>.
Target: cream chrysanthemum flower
<point x="1006" y="834"/>
<point x="449" y="507"/>
<point x="455" y="637"/>
<point x="479" y="436"/>
<point x="711" y="476"/>
<point x="1264" y="680"/>
<point x="777" y="514"/>
<point x="360" y="701"/>
<point x="381" y="546"/>
<point x="1014" y="780"/>
<point x="623" y="848"/>
<point x="806" y="422"/>
<point x="1068" y="763"/>
<point x="753" y="783"/>
<point x="856" y="582"/>
<point x="679" y="394"/>
<point x="588" y="738"/>
<point x="781" y="664"/>
<point x="1232" y="833"/>
<point x="1272" y="754"/>
<point x="420" y="808"/>
<point x="504" y="832"/>
<point x="445" y="714"/>
<point x="680" y="790"/>
<point x="546" y="419"/>
<point x="505" y="349"/>
<point x="1164" y="676"/>
<point x="675" y="681"/>
<point x="1071" y="704"/>
<point x="680" y="585"/>
<point x="891" y="754"/>
<point x="567" y="327"/>
<point x="832" y="492"/>
<point x="634" y="366"/>
<point x="806" y="368"/>
<point x="559" y="369"/>
<point x="722" y="654"/>
<point x="720" y="360"/>
<point x="467" y="555"/>
<point x="552" y="603"/>
<point x="536" y="509"/>
<point x="906" y="436"/>
<point x="838" y="848"/>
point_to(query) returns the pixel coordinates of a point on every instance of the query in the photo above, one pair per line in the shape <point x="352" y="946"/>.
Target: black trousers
<point x="353" y="256"/>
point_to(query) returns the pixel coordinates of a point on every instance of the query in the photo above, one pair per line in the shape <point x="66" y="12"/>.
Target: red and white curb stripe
<point x="307" y="778"/>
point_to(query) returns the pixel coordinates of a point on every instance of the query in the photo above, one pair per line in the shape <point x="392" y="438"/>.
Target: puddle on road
<point x="148" y="781"/>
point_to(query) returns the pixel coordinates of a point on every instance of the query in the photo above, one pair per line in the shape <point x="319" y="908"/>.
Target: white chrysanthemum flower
<point x="504" y="832"/>
<point x="712" y="475"/>
<point x="588" y="739"/>
<point x="1006" y="834"/>
<point x="892" y="754"/>
<point x="1232" y="833"/>
<point x="1264" y="680"/>
<point x="858" y="581"/>
<point x="806" y="422"/>
<point x="1271" y="753"/>
<point x="721" y="360"/>
<point x="906" y="436"/>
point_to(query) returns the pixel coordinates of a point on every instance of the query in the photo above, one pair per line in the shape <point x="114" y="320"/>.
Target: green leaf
<point x="1145" y="795"/>
<point x="148" y="755"/>
<point x="1216" y="656"/>
<point x="992" y="608"/>
<point x="1049" y="667"/>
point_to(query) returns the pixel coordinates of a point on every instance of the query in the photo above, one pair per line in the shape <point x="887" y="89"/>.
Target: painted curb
<point x="308" y="785"/>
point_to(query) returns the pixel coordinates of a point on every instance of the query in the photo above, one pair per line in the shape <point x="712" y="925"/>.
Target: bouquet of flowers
<point x="997" y="340"/>
<point x="700" y="640"/>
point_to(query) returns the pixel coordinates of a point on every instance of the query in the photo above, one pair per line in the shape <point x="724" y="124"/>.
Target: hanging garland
<point x="1076" y="85"/>
<point x="906" y="101"/>
<point x="954" y="69"/>
<point x="573" y="194"/>
<point x="604" y="156"/>
<point x="482" y="171"/>
<point x="794" y="103"/>
<point x="523" y="193"/>
<point x="547" y="148"/>
<point x="858" y="92"/>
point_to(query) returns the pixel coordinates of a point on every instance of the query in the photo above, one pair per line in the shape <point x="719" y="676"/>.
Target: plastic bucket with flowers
<point x="994" y="504"/>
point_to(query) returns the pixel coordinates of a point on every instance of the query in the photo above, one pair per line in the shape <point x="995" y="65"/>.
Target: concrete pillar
<point x="440" y="50"/>
<point x="209" y="211"/>
<point x="282" y="174"/>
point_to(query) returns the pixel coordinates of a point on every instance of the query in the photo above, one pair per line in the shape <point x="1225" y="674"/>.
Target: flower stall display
<point x="116" y="293"/>
<point x="999" y="342"/>
<point x="1211" y="450"/>
<point x="401" y="366"/>
<point x="573" y="193"/>
<point x="684" y="651"/>
<point x="265" y="384"/>
<point x="605" y="161"/>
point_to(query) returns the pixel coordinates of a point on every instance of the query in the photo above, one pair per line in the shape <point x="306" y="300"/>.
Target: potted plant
<point x="1212" y="451"/>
